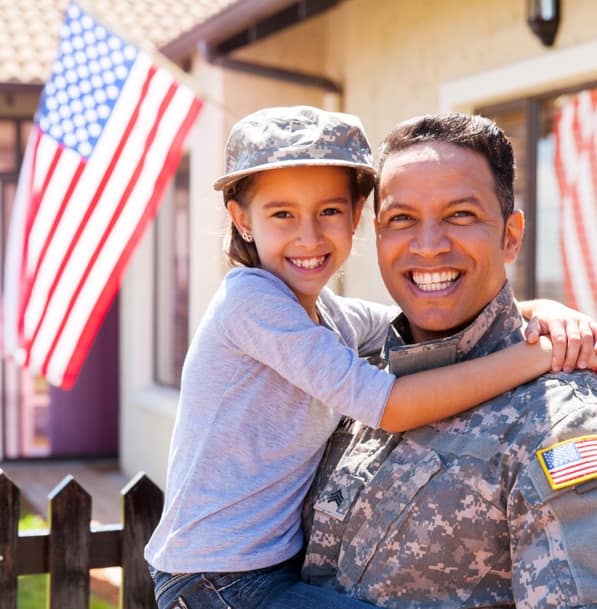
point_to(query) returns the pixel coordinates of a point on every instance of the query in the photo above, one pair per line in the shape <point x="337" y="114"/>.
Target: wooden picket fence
<point x="71" y="546"/>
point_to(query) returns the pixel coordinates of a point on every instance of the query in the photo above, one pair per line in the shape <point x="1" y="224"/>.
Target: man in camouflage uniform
<point x="496" y="507"/>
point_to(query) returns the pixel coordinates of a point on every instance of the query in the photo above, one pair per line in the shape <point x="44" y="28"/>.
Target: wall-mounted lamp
<point x="543" y="17"/>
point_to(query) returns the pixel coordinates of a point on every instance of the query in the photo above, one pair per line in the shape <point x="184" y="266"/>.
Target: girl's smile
<point x="310" y="264"/>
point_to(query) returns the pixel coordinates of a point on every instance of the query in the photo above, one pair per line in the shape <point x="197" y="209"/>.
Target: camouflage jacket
<point x="462" y="513"/>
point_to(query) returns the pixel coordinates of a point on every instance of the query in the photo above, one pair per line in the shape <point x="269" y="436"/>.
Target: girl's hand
<point x="573" y="334"/>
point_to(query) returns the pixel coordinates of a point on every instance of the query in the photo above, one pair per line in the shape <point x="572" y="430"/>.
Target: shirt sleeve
<point x="263" y="320"/>
<point x="553" y="532"/>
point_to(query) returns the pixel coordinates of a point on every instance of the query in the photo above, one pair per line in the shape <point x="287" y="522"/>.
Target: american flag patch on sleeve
<point x="570" y="462"/>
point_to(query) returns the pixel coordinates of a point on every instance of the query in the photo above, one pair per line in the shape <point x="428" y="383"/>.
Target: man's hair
<point x="471" y="131"/>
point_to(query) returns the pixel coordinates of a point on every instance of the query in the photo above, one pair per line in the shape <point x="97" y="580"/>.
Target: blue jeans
<point x="276" y="587"/>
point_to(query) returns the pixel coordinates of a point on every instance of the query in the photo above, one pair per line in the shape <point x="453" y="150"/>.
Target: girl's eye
<point x="330" y="211"/>
<point x="281" y="214"/>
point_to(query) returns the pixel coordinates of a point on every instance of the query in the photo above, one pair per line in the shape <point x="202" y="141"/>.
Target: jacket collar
<point x="497" y="326"/>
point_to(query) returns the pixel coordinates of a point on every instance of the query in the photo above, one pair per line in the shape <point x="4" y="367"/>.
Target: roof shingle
<point x="29" y="28"/>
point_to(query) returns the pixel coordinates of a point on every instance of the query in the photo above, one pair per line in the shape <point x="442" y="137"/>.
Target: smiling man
<point x="443" y="236"/>
<point x="493" y="508"/>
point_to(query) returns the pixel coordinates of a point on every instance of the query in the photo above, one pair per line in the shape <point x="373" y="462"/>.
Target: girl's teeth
<point x="308" y="263"/>
<point x="434" y="282"/>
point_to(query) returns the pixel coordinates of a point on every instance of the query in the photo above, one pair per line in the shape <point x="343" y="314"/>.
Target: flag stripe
<point x="36" y="200"/>
<point x="102" y="241"/>
<point x="49" y="265"/>
<point x="23" y="287"/>
<point x="70" y="261"/>
<point x="110" y="192"/>
<point x="581" y="200"/>
<point x="573" y="472"/>
<point x="69" y="232"/>
<point x="131" y="217"/>
<point x="105" y="298"/>
<point x="576" y="169"/>
<point x="53" y="196"/>
<point x="47" y="241"/>
<point x="569" y="164"/>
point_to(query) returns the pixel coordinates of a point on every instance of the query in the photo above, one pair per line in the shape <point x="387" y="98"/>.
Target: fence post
<point x="70" y="541"/>
<point x="142" y="506"/>
<point x="9" y="508"/>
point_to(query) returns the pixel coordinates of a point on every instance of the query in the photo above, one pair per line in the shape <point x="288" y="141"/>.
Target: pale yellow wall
<point x="394" y="55"/>
<point x="146" y="411"/>
<point x="394" y="58"/>
<point x="301" y="48"/>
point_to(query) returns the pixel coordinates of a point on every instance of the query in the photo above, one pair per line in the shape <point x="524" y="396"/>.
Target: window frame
<point x="182" y="176"/>
<point x="531" y="108"/>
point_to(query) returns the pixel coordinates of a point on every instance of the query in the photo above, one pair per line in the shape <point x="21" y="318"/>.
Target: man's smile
<point x="434" y="281"/>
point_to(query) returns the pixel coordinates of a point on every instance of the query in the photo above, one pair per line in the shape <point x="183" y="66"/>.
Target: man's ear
<point x="513" y="233"/>
<point x="376" y="227"/>
<point x="239" y="216"/>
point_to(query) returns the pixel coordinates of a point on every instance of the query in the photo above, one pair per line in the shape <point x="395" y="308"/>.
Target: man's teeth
<point x="308" y="263"/>
<point x="434" y="282"/>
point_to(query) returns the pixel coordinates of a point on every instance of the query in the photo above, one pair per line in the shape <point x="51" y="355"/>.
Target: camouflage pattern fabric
<point x="290" y="136"/>
<point x="460" y="513"/>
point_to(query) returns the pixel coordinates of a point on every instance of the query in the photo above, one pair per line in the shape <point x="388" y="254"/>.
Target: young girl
<point x="275" y="363"/>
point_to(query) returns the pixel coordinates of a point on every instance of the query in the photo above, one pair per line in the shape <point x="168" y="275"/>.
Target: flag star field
<point x="87" y="77"/>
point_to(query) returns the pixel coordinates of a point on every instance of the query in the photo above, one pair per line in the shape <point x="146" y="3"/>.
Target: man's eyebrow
<point x="453" y="202"/>
<point x="470" y="199"/>
<point x="392" y="203"/>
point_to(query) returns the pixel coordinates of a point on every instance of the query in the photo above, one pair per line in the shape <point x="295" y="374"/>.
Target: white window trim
<point x="156" y="399"/>
<point x="553" y="69"/>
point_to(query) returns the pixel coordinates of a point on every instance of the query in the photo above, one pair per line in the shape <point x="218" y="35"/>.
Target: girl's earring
<point x="246" y="236"/>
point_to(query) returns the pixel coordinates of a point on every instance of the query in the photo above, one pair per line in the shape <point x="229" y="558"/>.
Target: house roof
<point x="29" y="28"/>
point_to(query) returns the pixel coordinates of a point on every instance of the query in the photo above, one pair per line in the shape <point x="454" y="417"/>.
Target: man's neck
<point x="495" y="327"/>
<point x="412" y="334"/>
<point x="421" y="335"/>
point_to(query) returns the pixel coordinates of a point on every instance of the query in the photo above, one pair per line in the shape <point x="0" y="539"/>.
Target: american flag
<point x="571" y="462"/>
<point x="576" y="169"/>
<point x="106" y="140"/>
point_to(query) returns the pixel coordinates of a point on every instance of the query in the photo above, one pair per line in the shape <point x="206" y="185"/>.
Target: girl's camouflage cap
<point x="290" y="136"/>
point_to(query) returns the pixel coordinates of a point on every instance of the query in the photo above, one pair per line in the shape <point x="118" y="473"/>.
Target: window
<point x="555" y="144"/>
<point x="171" y="298"/>
<point x="25" y="398"/>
